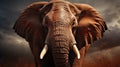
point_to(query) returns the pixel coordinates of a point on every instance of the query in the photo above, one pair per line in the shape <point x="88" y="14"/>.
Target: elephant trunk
<point x="60" y="55"/>
<point x="60" y="51"/>
<point x="59" y="42"/>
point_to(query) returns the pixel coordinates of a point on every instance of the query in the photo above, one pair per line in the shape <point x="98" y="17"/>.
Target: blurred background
<point x="15" y="51"/>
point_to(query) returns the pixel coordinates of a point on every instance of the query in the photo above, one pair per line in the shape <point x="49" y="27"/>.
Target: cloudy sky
<point x="104" y="52"/>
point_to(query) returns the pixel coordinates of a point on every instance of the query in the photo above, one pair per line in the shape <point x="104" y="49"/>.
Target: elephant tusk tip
<point x="42" y="54"/>
<point x="78" y="57"/>
<point x="41" y="57"/>
<point x="75" y="49"/>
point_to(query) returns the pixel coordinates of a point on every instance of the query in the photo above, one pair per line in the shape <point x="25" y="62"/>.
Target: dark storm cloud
<point x="119" y="21"/>
<point x="8" y="15"/>
<point x="107" y="48"/>
<point x="105" y="52"/>
<point x="11" y="45"/>
<point x="110" y="10"/>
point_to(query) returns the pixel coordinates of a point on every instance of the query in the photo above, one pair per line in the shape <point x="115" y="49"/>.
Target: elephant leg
<point x="79" y="62"/>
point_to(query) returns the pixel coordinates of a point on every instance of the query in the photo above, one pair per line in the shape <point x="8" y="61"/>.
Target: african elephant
<point x="59" y="32"/>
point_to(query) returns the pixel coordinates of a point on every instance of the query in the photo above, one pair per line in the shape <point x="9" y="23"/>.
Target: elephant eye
<point x="45" y="21"/>
<point x="73" y="23"/>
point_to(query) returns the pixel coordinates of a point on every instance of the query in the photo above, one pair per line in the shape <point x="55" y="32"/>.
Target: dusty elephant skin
<point x="59" y="32"/>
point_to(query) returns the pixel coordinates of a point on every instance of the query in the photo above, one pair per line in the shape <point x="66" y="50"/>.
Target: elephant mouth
<point x="45" y="49"/>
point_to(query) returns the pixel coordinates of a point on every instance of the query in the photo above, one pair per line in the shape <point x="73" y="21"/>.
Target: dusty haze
<point x="15" y="52"/>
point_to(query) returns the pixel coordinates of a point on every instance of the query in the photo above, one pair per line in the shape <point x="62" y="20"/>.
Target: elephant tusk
<point x="75" y="49"/>
<point x="43" y="52"/>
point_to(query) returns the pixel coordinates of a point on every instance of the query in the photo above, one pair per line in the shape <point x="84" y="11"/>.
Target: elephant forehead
<point x="59" y="14"/>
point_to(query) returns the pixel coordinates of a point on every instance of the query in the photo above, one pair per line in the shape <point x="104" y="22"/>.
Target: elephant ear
<point x="91" y="25"/>
<point x="29" y="24"/>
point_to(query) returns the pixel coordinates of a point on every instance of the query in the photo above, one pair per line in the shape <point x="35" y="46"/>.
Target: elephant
<point x="60" y="32"/>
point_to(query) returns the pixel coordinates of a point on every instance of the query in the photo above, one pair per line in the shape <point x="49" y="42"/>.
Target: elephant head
<point x="61" y="29"/>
